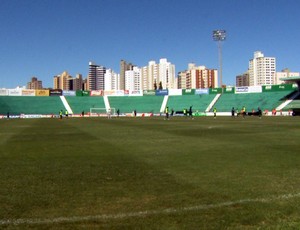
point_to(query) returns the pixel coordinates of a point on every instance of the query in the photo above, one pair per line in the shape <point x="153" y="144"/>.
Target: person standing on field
<point x="191" y="112"/>
<point x="232" y="112"/>
<point x="172" y="112"/>
<point x="167" y="112"/>
<point x="215" y="113"/>
<point x="109" y="113"/>
<point x="185" y="112"/>
<point x="244" y="111"/>
<point x="259" y="112"/>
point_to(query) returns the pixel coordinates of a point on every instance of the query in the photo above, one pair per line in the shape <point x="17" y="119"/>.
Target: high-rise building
<point x="34" y="84"/>
<point x="62" y="81"/>
<point x="96" y="77"/>
<point x="197" y="77"/>
<point x="77" y="82"/>
<point x="112" y="80"/>
<point x="158" y="74"/>
<point x="124" y="66"/>
<point x="133" y="79"/>
<point x="144" y="78"/>
<point x="56" y="84"/>
<point x="184" y="80"/>
<point x="152" y="77"/>
<point x="262" y="69"/>
<point x="166" y="74"/>
<point x="65" y="81"/>
<point x="242" y="80"/>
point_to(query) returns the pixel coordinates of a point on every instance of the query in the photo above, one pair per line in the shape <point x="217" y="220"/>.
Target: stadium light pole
<point x="219" y="36"/>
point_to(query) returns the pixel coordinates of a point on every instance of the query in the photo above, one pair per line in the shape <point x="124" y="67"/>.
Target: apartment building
<point x="65" y="81"/>
<point x="96" y="80"/>
<point x="112" y="80"/>
<point x="156" y="74"/>
<point x="34" y="84"/>
<point x="62" y="81"/>
<point x="242" y="80"/>
<point x="285" y="73"/>
<point x="124" y="66"/>
<point x="133" y="79"/>
<point x="197" y="77"/>
<point x="262" y="70"/>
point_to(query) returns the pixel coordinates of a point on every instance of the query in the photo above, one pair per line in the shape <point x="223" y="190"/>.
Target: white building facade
<point x="285" y="73"/>
<point x="156" y="74"/>
<point x="197" y="77"/>
<point x="112" y="80"/>
<point x="133" y="79"/>
<point x="96" y="77"/>
<point x="262" y="70"/>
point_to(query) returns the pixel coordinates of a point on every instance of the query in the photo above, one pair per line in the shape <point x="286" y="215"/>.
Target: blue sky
<point x="43" y="38"/>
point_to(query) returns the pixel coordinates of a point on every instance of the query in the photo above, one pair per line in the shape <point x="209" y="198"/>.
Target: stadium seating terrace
<point x="145" y="104"/>
<point x="79" y="104"/>
<point x="199" y="102"/>
<point x="264" y="100"/>
<point x="30" y="105"/>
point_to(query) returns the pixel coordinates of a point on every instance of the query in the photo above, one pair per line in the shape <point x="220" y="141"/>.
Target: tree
<point x="155" y="86"/>
<point x="160" y="85"/>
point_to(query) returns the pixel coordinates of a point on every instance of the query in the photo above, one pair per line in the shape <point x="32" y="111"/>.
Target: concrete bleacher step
<point x="213" y="102"/>
<point x="66" y="104"/>
<point x="284" y="104"/>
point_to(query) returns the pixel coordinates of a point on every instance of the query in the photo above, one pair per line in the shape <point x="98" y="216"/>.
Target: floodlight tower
<point x="219" y="36"/>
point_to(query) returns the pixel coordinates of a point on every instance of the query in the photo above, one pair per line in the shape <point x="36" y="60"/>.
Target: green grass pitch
<point x="150" y="173"/>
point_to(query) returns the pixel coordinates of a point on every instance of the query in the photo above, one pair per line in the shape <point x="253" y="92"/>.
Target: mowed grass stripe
<point x="108" y="217"/>
<point x="96" y="166"/>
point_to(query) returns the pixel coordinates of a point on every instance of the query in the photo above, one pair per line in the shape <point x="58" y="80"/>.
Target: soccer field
<point x="150" y="173"/>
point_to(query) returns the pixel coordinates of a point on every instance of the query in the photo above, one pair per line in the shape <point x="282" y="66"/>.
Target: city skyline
<point x="45" y="38"/>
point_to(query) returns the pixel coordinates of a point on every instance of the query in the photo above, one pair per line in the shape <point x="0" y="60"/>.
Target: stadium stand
<point x="294" y="104"/>
<point x="145" y="104"/>
<point x="265" y="100"/>
<point x="199" y="102"/>
<point x="30" y="105"/>
<point x="79" y="104"/>
<point x="47" y="105"/>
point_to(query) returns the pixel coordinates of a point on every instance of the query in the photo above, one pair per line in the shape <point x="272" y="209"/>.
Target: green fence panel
<point x="149" y="92"/>
<point x="188" y="92"/>
<point x="215" y="90"/>
<point x="229" y="90"/>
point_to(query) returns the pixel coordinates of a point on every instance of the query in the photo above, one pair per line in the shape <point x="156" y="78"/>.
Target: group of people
<point x="61" y="114"/>
<point x="243" y="112"/>
<point x="234" y="112"/>
<point x="185" y="112"/>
